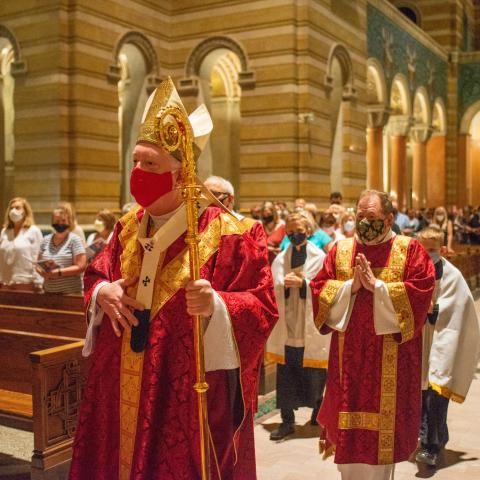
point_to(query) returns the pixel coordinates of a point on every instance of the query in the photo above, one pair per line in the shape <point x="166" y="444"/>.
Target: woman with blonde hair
<point x="19" y="245"/>
<point x="68" y="208"/>
<point x="440" y="218"/>
<point x="62" y="257"/>
<point x="104" y="225"/>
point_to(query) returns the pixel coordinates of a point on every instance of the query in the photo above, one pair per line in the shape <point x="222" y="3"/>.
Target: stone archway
<point x="419" y="136"/>
<point x="469" y="157"/>
<point x="378" y="113"/>
<point x="396" y="133"/>
<point x="135" y="73"/>
<point x="339" y="85"/>
<point x="217" y="72"/>
<point x="436" y="156"/>
<point x="11" y="66"/>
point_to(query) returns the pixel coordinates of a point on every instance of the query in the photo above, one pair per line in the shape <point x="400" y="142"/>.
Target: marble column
<point x="398" y="129"/>
<point x="420" y="136"/>
<point x="463" y="179"/>
<point x="377" y="118"/>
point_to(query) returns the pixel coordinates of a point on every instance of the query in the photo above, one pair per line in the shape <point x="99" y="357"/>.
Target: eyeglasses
<point x="220" y="195"/>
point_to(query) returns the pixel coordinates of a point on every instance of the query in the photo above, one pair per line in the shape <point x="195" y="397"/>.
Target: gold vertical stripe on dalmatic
<point x="168" y="280"/>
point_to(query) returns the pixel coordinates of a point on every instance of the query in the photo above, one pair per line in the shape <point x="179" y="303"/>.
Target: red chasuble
<point x="138" y="418"/>
<point x="372" y="406"/>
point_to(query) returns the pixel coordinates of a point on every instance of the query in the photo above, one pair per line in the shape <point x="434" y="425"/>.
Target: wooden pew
<point x="42" y="373"/>
<point x="41" y="382"/>
<point x="49" y="314"/>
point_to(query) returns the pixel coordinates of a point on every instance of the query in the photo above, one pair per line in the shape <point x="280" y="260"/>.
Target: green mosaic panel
<point x="468" y="86"/>
<point x="402" y="41"/>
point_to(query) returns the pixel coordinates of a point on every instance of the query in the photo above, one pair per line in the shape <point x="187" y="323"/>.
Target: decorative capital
<point x="247" y="80"/>
<point x="378" y="115"/>
<point x="420" y="133"/>
<point x="399" y="125"/>
<point x="188" y="86"/>
<point x="18" y="68"/>
<point x="349" y="93"/>
<point x="114" y="74"/>
<point x="152" y="83"/>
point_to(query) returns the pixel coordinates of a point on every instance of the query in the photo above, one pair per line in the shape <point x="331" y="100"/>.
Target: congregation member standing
<point x="62" y="257"/>
<point x="440" y="219"/>
<point x="103" y="225"/>
<point x="451" y="348"/>
<point x="373" y="293"/>
<point x="274" y="229"/>
<point x="20" y="243"/>
<point x="139" y="413"/>
<point x="295" y="345"/>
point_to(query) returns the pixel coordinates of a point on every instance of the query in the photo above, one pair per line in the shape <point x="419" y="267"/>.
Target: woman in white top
<point x="20" y="243"/>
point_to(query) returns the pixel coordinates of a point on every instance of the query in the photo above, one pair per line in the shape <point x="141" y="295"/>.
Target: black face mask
<point x="60" y="227"/>
<point x="297" y="238"/>
<point x="267" y="218"/>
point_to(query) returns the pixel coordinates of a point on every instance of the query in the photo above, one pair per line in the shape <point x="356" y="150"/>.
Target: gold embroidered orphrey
<point x="169" y="280"/>
<point x="392" y="275"/>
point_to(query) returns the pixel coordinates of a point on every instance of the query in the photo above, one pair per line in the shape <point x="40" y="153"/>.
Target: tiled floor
<point x="297" y="458"/>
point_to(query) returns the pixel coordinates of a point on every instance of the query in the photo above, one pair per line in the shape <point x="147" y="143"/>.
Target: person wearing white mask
<point x="440" y="218"/>
<point x="19" y="245"/>
<point x="347" y="225"/>
<point x="103" y="225"/>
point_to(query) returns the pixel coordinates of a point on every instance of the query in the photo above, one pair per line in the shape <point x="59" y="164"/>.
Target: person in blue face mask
<point x="451" y="347"/>
<point x="295" y="345"/>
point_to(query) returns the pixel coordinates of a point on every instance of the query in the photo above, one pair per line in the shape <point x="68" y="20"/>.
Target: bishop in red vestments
<point x="139" y="417"/>
<point x="373" y="293"/>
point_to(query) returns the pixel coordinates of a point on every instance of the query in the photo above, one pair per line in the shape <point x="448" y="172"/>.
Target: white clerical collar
<point x="390" y="234"/>
<point x="159" y="220"/>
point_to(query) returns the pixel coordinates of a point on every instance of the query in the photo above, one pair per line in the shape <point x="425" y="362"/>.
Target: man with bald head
<point x="373" y="293"/>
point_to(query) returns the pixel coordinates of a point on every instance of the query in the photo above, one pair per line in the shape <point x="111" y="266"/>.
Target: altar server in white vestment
<point x="451" y="347"/>
<point x="295" y="344"/>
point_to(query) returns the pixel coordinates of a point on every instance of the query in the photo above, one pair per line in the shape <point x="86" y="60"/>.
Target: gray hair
<point x="385" y="201"/>
<point x="227" y="187"/>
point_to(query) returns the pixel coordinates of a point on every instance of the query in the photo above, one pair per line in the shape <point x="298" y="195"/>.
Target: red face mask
<point x="147" y="187"/>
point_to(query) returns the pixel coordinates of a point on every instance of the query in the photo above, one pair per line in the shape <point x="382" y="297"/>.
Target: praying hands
<point x="363" y="275"/>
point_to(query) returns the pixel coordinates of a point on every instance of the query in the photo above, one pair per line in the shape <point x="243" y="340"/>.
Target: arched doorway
<point x="134" y="72"/>
<point x="221" y="93"/>
<point x="378" y="112"/>
<point x="7" y="120"/>
<point x="419" y="135"/>
<point x="469" y="157"/>
<point x="398" y="154"/>
<point x="216" y="73"/>
<point x="339" y="83"/>
<point x="436" y="152"/>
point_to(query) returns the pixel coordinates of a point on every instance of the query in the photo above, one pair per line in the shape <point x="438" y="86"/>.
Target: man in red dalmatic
<point x="373" y="293"/>
<point x="139" y="417"/>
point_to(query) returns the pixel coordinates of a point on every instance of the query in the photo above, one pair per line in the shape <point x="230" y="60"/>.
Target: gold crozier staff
<point x="176" y="134"/>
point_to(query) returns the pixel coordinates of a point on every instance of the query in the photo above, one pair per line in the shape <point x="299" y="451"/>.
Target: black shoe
<point x="424" y="456"/>
<point x="282" y="431"/>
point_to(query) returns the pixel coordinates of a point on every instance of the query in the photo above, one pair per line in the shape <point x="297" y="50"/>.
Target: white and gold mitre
<point x="166" y="95"/>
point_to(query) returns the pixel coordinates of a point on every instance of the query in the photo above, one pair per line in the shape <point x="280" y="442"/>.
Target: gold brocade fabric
<point x="392" y="275"/>
<point x="168" y="281"/>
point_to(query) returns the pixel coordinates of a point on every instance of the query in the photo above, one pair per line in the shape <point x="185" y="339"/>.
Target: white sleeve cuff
<point x="95" y="316"/>
<point x="219" y="344"/>
<point x="384" y="317"/>
<point x="341" y="309"/>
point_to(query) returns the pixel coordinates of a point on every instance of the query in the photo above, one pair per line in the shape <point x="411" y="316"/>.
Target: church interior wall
<point x="67" y="104"/>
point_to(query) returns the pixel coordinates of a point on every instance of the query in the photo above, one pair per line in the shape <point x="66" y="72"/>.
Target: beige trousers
<point x="362" y="471"/>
